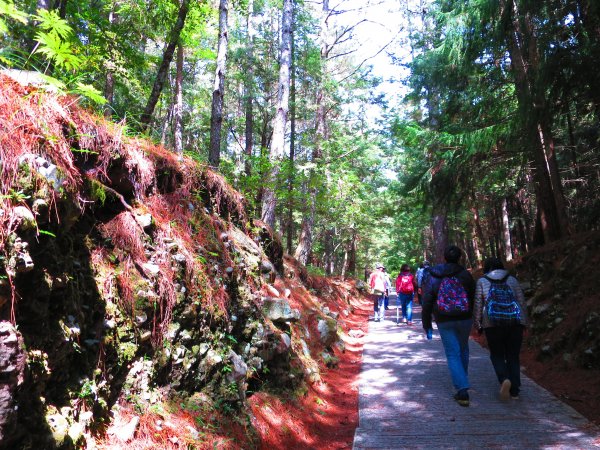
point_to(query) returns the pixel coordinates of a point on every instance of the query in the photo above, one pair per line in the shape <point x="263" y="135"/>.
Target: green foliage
<point x="53" y="39"/>
<point x="9" y="11"/>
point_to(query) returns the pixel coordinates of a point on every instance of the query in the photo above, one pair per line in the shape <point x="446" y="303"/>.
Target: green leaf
<point x="90" y="92"/>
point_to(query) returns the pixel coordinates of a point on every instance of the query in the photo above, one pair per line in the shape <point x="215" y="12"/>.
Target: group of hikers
<point x="449" y="295"/>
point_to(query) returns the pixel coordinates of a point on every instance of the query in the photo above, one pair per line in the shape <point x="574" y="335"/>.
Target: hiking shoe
<point x="505" y="390"/>
<point x="462" y="397"/>
<point x="404" y="320"/>
<point x="514" y="397"/>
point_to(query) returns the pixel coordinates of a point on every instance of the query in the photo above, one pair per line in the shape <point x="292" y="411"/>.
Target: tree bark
<point x="216" y="117"/>
<point x="305" y="243"/>
<point x="178" y="108"/>
<point x="289" y="232"/>
<point x="249" y="91"/>
<point x="506" y="232"/>
<point x="439" y="224"/>
<point x="163" y="69"/>
<point x="524" y="54"/>
<point x="109" y="93"/>
<point x="351" y="261"/>
<point x="277" y="148"/>
<point x="328" y="257"/>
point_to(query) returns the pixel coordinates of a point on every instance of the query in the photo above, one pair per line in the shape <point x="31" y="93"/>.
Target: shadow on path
<point x="405" y="400"/>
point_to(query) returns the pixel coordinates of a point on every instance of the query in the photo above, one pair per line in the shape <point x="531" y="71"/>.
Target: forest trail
<point x="405" y="400"/>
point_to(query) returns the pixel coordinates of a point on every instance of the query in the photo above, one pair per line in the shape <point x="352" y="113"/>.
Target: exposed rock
<point x="239" y="369"/>
<point x="540" y="309"/>
<point x="20" y="260"/>
<point x="12" y="370"/>
<point x="272" y="291"/>
<point x="152" y="269"/>
<point x="361" y="286"/>
<point x="24" y="218"/>
<point x="285" y="342"/>
<point x="59" y="426"/>
<point x="328" y="331"/>
<point x="266" y="267"/>
<point x="144" y="220"/>
<point x="125" y="432"/>
<point x="249" y="250"/>
<point x="279" y="310"/>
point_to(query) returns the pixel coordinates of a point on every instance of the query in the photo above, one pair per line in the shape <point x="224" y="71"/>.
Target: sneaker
<point x="404" y="320"/>
<point x="409" y="323"/>
<point x="505" y="390"/>
<point x="514" y="397"/>
<point x="462" y="397"/>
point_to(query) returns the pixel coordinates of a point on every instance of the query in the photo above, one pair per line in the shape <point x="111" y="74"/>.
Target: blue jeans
<point x="455" y="337"/>
<point x="406" y="300"/>
<point x="379" y="306"/>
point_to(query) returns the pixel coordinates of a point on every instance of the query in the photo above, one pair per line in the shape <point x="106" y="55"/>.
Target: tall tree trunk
<point x="61" y="7"/>
<point x="249" y="90"/>
<point x="305" y="242"/>
<point x="478" y="238"/>
<point x="163" y="69"/>
<point x="506" y="232"/>
<point x="439" y="225"/>
<point x="292" y="171"/>
<point x="328" y="257"/>
<point x="178" y="107"/>
<point x="277" y="149"/>
<point x="304" y="249"/>
<point x="109" y="84"/>
<point x="109" y="93"/>
<point x="265" y="141"/>
<point x="589" y="11"/>
<point x="351" y="261"/>
<point x="523" y="50"/>
<point x="216" y="117"/>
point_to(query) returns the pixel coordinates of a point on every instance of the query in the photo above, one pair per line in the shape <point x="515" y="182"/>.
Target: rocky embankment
<point x="130" y="276"/>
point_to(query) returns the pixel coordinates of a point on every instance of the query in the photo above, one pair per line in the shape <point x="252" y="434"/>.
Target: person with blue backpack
<point x="448" y="296"/>
<point x="501" y="313"/>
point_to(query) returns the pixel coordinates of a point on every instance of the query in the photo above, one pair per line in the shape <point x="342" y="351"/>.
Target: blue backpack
<point x="452" y="299"/>
<point x="501" y="305"/>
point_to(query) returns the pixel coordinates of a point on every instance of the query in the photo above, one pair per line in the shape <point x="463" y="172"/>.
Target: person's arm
<point x="428" y="299"/>
<point x="520" y="295"/>
<point x="478" y="311"/>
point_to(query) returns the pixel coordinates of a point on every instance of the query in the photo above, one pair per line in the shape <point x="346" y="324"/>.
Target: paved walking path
<point x="405" y="400"/>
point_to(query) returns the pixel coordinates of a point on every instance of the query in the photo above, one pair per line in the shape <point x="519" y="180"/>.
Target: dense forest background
<point x="488" y="138"/>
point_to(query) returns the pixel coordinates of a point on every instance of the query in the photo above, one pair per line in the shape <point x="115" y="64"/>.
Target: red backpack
<point x="406" y="284"/>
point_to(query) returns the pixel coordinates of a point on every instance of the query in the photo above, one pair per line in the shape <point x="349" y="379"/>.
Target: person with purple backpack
<point x="448" y="295"/>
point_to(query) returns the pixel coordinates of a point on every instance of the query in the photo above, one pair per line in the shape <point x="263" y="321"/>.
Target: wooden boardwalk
<point x="405" y="400"/>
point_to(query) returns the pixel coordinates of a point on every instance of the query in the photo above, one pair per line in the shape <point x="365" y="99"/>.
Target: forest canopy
<point x="490" y="140"/>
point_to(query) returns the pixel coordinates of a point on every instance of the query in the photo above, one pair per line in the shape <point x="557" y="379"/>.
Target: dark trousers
<point x="505" y="346"/>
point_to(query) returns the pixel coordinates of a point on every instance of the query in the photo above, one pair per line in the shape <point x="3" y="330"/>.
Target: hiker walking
<point x="501" y="313"/>
<point x="405" y="290"/>
<point x="377" y="285"/>
<point x="448" y="296"/>
<point x="388" y="286"/>
<point x="421" y="272"/>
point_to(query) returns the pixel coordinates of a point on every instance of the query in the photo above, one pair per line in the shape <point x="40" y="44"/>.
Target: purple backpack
<point x="452" y="298"/>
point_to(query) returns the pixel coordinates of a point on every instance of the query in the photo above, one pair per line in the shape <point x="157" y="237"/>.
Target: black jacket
<point x="431" y="285"/>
